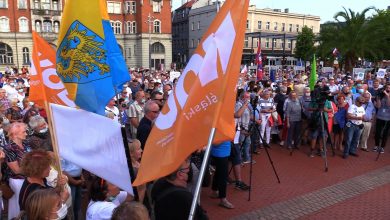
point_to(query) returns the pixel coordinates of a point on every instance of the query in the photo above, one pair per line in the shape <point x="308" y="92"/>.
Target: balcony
<point x="46" y="12"/>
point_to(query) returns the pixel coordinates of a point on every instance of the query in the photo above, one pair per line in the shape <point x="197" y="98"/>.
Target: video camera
<point x="320" y="95"/>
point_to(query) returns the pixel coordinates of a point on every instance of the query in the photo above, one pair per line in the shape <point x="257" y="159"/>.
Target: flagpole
<point x="126" y="145"/>
<point x="53" y="137"/>
<point x="201" y="174"/>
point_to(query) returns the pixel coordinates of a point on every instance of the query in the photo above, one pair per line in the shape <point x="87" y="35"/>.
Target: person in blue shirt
<point x="367" y="121"/>
<point x="220" y="156"/>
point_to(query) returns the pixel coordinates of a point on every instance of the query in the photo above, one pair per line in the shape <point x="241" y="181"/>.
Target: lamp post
<point x="150" y="22"/>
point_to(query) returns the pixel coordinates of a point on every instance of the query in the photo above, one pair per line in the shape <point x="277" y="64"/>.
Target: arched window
<point x="157" y="26"/>
<point x="158" y="48"/>
<point x="6" y="56"/>
<point x="23" y="24"/>
<point x="4" y="24"/>
<point x="38" y="26"/>
<point x="47" y="26"/>
<point x="118" y="27"/>
<point x="134" y="27"/>
<point x="56" y="26"/>
<point x="26" y="56"/>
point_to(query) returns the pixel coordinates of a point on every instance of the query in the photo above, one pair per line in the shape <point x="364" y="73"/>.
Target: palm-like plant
<point x="350" y="34"/>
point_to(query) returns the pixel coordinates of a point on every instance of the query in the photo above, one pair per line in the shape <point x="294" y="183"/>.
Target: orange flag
<point x="45" y="85"/>
<point x="203" y="98"/>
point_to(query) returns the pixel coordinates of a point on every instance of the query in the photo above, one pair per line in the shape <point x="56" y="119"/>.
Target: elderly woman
<point x="14" y="152"/>
<point x="40" y="137"/>
<point x="135" y="154"/>
<point x="14" y="113"/>
<point x="294" y="120"/>
<point x="35" y="166"/>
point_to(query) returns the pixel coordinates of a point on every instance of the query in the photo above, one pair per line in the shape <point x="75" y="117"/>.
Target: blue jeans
<point x="246" y="146"/>
<point x="352" y="136"/>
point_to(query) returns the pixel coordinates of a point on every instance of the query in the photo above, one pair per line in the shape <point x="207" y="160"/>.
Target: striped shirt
<point x="135" y="111"/>
<point x="14" y="153"/>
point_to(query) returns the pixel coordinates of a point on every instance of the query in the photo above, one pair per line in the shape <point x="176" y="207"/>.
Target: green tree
<point x="351" y="34"/>
<point x="304" y="48"/>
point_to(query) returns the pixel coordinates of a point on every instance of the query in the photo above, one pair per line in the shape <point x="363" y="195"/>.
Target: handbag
<point x="6" y="190"/>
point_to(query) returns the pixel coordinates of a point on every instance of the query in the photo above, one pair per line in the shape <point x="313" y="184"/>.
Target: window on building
<point x="274" y="43"/>
<point x="3" y="4"/>
<point x="36" y="4"/>
<point x="134" y="27"/>
<point x="26" y="56"/>
<point x="157" y="26"/>
<point x="118" y="27"/>
<point x="247" y="24"/>
<point x="23" y="24"/>
<point x="46" y="26"/>
<point x="114" y="7"/>
<point x="192" y="43"/>
<point x="6" y="56"/>
<point x="192" y="26"/>
<point x="45" y="4"/>
<point x="246" y="42"/>
<point x="157" y="6"/>
<point x="266" y="42"/>
<point x="129" y="53"/>
<point x="22" y="4"/>
<point x="267" y="25"/>
<point x="56" y="26"/>
<point x="290" y="28"/>
<point x="275" y="26"/>
<point x="259" y="25"/>
<point x="158" y="48"/>
<point x="282" y="43"/>
<point x="131" y="27"/>
<point x="131" y="7"/>
<point x="4" y="24"/>
<point x="38" y="26"/>
<point x="55" y="5"/>
<point x="198" y="42"/>
<point x="289" y="44"/>
<point x="283" y="27"/>
<point x="198" y="25"/>
<point x="297" y="27"/>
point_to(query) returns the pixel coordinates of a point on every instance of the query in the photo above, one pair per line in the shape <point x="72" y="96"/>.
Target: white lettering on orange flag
<point x="203" y="98"/>
<point x="44" y="81"/>
<point x="205" y="68"/>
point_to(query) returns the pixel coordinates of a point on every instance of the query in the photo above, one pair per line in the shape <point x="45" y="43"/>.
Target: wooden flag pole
<point x="201" y="174"/>
<point x="53" y="136"/>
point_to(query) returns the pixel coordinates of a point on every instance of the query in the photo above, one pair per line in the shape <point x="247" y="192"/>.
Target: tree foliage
<point x="356" y="36"/>
<point x="304" y="48"/>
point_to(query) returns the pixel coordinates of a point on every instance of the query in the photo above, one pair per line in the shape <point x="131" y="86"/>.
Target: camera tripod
<point x="253" y="128"/>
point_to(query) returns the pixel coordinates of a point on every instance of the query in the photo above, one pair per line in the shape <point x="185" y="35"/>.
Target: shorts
<point x="337" y="129"/>
<point x="235" y="155"/>
<point x="317" y="133"/>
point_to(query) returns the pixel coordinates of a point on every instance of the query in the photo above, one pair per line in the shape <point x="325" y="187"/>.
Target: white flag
<point x="92" y="142"/>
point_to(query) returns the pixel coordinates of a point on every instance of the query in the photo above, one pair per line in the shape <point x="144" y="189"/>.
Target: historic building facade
<point x="142" y="29"/>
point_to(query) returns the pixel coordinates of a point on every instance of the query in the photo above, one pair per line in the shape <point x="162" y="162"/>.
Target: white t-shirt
<point x="102" y="210"/>
<point x="357" y="112"/>
<point x="333" y="88"/>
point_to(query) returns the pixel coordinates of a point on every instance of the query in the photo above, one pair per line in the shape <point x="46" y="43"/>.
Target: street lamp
<point x="150" y="21"/>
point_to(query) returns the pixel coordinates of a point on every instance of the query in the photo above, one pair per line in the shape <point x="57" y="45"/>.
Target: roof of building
<point x="187" y="4"/>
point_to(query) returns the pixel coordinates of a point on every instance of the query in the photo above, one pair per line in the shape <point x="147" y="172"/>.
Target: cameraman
<point x="319" y="103"/>
<point x="243" y="112"/>
<point x="354" y="127"/>
<point x="382" y="119"/>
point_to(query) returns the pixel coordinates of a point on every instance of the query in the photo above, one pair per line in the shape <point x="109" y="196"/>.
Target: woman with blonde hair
<point x="44" y="204"/>
<point x="17" y="147"/>
<point x="135" y="154"/>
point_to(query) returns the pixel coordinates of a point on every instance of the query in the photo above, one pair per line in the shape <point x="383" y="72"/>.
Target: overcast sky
<point x="325" y="9"/>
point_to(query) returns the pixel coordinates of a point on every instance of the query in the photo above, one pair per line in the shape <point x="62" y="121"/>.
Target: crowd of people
<point x="283" y="111"/>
